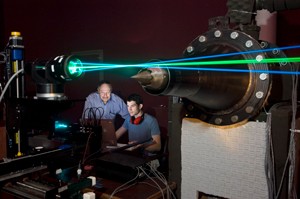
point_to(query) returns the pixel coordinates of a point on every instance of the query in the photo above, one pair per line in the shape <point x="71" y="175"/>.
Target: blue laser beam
<point x="89" y="67"/>
<point x="230" y="54"/>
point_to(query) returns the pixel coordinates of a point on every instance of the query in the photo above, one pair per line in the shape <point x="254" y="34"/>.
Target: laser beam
<point x="191" y="62"/>
<point x="232" y="54"/>
<point x="89" y="67"/>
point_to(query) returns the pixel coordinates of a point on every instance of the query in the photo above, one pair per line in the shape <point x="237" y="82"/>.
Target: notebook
<point x="109" y="138"/>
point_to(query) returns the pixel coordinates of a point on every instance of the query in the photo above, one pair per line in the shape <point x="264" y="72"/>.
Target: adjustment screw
<point x="218" y="120"/>
<point x="190" y="49"/>
<point x="263" y="76"/>
<point x="234" y="35"/>
<point x="259" y="94"/>
<point x="202" y="38"/>
<point x="249" y="44"/>
<point x="218" y="33"/>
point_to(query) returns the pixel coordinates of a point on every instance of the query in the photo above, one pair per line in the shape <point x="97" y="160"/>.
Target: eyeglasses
<point x="104" y="93"/>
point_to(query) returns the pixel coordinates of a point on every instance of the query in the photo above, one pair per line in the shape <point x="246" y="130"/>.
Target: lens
<point x="74" y="68"/>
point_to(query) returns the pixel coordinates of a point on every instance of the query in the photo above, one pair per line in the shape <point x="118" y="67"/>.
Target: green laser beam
<point x="101" y="66"/>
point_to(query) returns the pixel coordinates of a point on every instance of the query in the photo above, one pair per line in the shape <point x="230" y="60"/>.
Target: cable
<point x="92" y="113"/>
<point x="86" y="146"/>
<point x="292" y="147"/>
<point x="98" y="109"/>
<point x="120" y="188"/>
<point x="4" y="58"/>
<point x="161" y="190"/>
<point x="162" y="178"/>
<point x="8" y="82"/>
<point x="98" y="151"/>
<point x="290" y="160"/>
<point x="269" y="157"/>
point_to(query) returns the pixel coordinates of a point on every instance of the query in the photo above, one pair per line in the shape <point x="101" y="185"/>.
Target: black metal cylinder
<point x="217" y="91"/>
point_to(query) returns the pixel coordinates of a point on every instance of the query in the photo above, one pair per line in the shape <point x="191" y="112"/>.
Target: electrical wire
<point x="292" y="148"/>
<point x="122" y="187"/>
<point x="290" y="160"/>
<point x="161" y="190"/>
<point x="269" y="157"/>
<point x="90" y="115"/>
<point x="86" y="147"/>
<point x="89" y="156"/>
<point x="83" y="117"/>
<point x="90" y="122"/>
<point x="163" y="179"/>
<point x="8" y="83"/>
<point x="98" y="109"/>
<point x="4" y="58"/>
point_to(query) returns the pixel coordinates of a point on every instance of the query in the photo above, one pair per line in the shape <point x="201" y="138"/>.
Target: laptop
<point x="109" y="138"/>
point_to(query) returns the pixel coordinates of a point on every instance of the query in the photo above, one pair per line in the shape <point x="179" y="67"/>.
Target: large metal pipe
<point x="216" y="94"/>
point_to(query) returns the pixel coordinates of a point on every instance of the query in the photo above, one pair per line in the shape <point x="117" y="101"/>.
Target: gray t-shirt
<point x="143" y="131"/>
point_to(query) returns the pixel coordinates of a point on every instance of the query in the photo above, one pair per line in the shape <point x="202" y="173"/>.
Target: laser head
<point x="73" y="68"/>
<point x="50" y="76"/>
<point x="64" y="68"/>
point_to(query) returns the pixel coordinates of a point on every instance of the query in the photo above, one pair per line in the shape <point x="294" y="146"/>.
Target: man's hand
<point x="134" y="147"/>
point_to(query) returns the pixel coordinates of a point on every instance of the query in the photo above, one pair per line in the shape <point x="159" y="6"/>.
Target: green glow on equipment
<point x="60" y="125"/>
<point x="74" y="68"/>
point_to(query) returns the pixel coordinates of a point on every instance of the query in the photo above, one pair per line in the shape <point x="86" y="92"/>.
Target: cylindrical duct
<point x="222" y="94"/>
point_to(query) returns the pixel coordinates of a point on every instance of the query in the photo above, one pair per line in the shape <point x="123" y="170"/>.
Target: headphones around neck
<point x="137" y="120"/>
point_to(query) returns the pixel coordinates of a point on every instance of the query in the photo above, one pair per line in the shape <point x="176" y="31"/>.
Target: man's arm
<point x="120" y="107"/>
<point x="86" y="108"/>
<point x="120" y="132"/>
<point x="155" y="145"/>
<point x="124" y="111"/>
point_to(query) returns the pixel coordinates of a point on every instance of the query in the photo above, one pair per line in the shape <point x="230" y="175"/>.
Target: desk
<point x="115" y="169"/>
<point x="143" y="189"/>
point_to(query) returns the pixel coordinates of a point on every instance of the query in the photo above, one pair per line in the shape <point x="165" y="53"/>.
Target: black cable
<point x="4" y="57"/>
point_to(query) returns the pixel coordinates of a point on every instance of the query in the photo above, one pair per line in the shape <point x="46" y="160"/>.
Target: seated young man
<point x="140" y="126"/>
